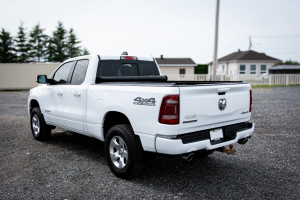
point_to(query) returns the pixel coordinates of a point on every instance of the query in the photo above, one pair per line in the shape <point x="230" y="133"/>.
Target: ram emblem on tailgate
<point x="222" y="104"/>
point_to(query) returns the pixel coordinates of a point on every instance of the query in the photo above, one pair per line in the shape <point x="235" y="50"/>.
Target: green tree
<point x="57" y="45"/>
<point x="6" y="47"/>
<point x="288" y="62"/>
<point x="201" y="69"/>
<point x="85" y="52"/>
<point x="37" y="42"/>
<point x="72" y="49"/>
<point x="21" y="45"/>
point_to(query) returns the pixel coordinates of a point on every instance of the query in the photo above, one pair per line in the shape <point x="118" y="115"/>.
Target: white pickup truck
<point x="125" y="101"/>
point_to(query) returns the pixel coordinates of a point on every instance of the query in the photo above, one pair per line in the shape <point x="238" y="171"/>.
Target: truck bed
<point x="199" y="109"/>
<point x="157" y="81"/>
<point x="172" y="83"/>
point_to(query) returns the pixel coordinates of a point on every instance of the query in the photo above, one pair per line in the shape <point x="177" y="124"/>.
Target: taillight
<point x="169" y="110"/>
<point x="250" y="108"/>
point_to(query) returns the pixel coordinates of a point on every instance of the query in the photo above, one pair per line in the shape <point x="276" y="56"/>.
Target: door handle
<point x="77" y="94"/>
<point x="59" y="93"/>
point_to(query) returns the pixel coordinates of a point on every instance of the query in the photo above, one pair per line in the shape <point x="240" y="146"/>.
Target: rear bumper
<point x="176" y="146"/>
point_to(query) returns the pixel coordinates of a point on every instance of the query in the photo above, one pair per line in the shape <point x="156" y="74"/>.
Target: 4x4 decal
<point x="144" y="102"/>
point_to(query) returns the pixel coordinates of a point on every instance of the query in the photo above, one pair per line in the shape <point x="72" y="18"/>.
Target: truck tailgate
<point x="200" y="109"/>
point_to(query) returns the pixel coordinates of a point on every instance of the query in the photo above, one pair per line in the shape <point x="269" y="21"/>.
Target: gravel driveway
<point x="71" y="166"/>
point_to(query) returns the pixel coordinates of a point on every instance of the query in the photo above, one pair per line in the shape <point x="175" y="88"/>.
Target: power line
<point x="278" y="48"/>
<point x="202" y="57"/>
<point x="278" y="36"/>
<point x="298" y="52"/>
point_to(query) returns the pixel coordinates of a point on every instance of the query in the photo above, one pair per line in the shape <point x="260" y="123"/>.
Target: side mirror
<point x="41" y="79"/>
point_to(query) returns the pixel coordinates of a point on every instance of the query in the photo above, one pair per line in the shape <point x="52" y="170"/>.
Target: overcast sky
<point x="174" y="28"/>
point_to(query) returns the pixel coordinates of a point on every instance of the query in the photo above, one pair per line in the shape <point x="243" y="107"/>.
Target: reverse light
<point x="169" y="110"/>
<point x="250" y="108"/>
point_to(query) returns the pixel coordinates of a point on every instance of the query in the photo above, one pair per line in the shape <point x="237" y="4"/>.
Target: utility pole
<point x="215" y="62"/>
<point x="250" y="43"/>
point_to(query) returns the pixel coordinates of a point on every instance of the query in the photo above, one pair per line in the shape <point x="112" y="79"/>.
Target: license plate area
<point x="216" y="134"/>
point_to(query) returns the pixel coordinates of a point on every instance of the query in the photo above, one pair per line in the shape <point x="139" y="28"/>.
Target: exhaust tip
<point x="243" y="141"/>
<point x="188" y="157"/>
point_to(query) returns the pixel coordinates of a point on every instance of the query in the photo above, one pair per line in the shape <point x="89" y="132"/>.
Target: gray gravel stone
<point x="72" y="166"/>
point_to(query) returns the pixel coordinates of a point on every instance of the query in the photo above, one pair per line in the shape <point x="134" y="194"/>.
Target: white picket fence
<point x="270" y="79"/>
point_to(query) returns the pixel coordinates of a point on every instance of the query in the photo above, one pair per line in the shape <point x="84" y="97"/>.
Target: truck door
<point x="53" y="98"/>
<point x="74" y="97"/>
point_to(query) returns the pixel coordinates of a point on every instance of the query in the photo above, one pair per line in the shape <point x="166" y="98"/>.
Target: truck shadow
<point x="211" y="176"/>
<point x="80" y="145"/>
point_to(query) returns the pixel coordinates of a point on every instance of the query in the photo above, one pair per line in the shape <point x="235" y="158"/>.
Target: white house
<point x="180" y="66"/>
<point x="244" y="62"/>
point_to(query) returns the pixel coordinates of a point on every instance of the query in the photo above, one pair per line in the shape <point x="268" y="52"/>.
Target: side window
<point x="61" y="75"/>
<point x="252" y="69"/>
<point x="242" y="69"/>
<point x="182" y="72"/>
<point x="263" y="69"/>
<point x="79" y="72"/>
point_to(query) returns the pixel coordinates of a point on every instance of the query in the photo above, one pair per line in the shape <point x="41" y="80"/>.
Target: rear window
<point x="127" y="68"/>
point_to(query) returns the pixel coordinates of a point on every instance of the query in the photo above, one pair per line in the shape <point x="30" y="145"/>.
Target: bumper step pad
<point x="228" y="131"/>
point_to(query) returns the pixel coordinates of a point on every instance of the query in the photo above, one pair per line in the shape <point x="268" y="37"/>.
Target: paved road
<point x="71" y="166"/>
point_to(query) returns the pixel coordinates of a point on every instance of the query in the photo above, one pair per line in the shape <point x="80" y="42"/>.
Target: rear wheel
<point x="123" y="151"/>
<point x="40" y="130"/>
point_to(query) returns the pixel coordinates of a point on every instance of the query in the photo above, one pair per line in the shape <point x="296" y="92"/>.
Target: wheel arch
<point x="33" y="103"/>
<point x="113" y="118"/>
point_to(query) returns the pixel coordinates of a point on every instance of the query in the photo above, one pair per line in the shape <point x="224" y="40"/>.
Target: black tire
<point x="134" y="162"/>
<point x="44" y="131"/>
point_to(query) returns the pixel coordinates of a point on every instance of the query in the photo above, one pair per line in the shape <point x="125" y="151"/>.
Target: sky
<point x="173" y="28"/>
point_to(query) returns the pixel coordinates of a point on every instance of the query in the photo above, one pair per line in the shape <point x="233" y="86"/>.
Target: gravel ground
<point x="71" y="166"/>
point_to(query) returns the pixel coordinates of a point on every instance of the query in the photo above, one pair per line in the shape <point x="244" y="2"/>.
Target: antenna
<point x="250" y="43"/>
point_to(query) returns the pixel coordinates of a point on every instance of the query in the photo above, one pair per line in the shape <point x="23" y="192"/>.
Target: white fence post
<point x="270" y="80"/>
<point x="287" y="80"/>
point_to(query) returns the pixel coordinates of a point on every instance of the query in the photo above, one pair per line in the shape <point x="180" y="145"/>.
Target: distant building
<point x="180" y="66"/>
<point x="244" y="62"/>
<point x="285" y="69"/>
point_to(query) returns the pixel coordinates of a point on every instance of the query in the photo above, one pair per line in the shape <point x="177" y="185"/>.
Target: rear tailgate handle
<point x="222" y="91"/>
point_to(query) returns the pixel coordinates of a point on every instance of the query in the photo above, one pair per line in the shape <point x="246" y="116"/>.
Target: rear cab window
<point x="127" y="68"/>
